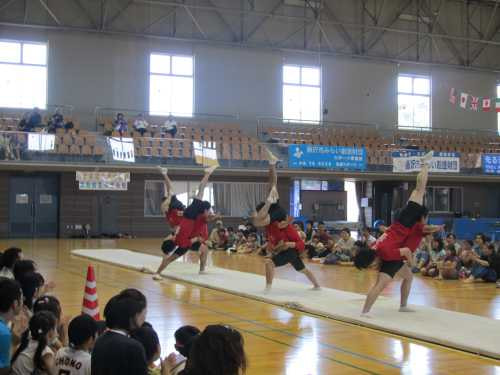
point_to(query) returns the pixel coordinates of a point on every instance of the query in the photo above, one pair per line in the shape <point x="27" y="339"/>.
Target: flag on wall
<point x="497" y="105"/>
<point x="463" y="100"/>
<point x="474" y="103"/>
<point x="486" y="104"/>
<point x="453" y="96"/>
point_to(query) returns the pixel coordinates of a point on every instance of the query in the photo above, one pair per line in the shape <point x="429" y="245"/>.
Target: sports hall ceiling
<point x="461" y="33"/>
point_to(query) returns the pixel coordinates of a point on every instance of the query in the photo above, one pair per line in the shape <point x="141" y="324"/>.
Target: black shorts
<point x="194" y="209"/>
<point x="183" y="250"/>
<point x="391" y="267"/>
<point x="288" y="256"/>
<point x="410" y="214"/>
<point x="167" y="246"/>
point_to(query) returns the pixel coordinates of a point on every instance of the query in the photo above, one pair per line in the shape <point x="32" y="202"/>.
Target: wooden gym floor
<point x="277" y="340"/>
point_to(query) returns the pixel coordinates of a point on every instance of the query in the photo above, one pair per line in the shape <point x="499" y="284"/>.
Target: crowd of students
<point x="439" y="258"/>
<point x="37" y="338"/>
<point x="141" y="125"/>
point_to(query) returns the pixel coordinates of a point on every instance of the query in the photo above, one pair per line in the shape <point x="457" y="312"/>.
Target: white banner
<point x="41" y="142"/>
<point x="409" y="161"/>
<point x="103" y="180"/>
<point x="204" y="154"/>
<point x="122" y="148"/>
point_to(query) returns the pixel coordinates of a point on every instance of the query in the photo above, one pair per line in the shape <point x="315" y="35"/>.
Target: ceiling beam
<point x="160" y="19"/>
<point x="195" y="21"/>
<point x="267" y="16"/>
<point x="488" y="36"/>
<point x="340" y="28"/>
<point x="86" y="12"/>
<point x="224" y="21"/>
<point x="6" y="4"/>
<point x="118" y="13"/>
<point x="50" y="12"/>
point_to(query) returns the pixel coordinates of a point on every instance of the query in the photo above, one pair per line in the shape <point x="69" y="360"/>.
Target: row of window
<point x="23" y="84"/>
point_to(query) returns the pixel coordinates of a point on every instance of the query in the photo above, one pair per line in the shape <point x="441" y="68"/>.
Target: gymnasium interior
<point x="96" y="96"/>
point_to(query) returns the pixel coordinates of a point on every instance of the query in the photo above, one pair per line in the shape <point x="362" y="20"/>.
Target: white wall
<point x="89" y="70"/>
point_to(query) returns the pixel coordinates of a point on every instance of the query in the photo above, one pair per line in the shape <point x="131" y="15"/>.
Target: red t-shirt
<point x="396" y="237"/>
<point x="173" y="217"/>
<point x="200" y="227"/>
<point x="292" y="235"/>
<point x="274" y="234"/>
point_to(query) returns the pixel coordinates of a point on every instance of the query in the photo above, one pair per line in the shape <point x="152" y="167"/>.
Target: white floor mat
<point x="468" y="332"/>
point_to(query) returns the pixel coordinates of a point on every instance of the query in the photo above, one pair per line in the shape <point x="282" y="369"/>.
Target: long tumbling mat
<point x="461" y="331"/>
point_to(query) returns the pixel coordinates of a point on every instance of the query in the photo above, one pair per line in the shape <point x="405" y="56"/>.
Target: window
<point x="170" y="85"/>
<point x="443" y="199"/>
<point x="414" y="102"/>
<point x="301" y="93"/>
<point x="154" y="192"/>
<point x="23" y="74"/>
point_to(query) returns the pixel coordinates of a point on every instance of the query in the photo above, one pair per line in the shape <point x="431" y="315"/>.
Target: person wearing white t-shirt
<point x="76" y="359"/>
<point x="170" y="126"/>
<point x="140" y="124"/>
<point x="34" y="355"/>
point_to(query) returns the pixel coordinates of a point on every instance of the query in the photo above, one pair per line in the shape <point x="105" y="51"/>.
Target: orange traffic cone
<point x="90" y="302"/>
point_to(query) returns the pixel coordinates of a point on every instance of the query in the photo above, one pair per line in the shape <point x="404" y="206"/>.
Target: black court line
<point x="263" y="325"/>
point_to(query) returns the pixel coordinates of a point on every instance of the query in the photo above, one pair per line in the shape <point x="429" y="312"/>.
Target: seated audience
<point x="32" y="284"/>
<point x="219" y="350"/>
<point x="148" y="337"/>
<point x="170" y="126"/>
<point x="31" y="120"/>
<point x="436" y="255"/>
<point x="451" y="239"/>
<point x="480" y="243"/>
<point x="140" y="124"/>
<point x="310" y="232"/>
<point x="448" y="268"/>
<point x="486" y="267"/>
<point x="35" y="356"/>
<point x="299" y="227"/>
<point x="315" y="247"/>
<point x="422" y="255"/>
<point x="218" y="236"/>
<point x="115" y="352"/>
<point x="466" y="259"/>
<point x="10" y="307"/>
<point x="325" y="239"/>
<point x="57" y="122"/>
<point x="7" y="261"/>
<point x="231" y="237"/>
<point x="120" y="124"/>
<point x="22" y="267"/>
<point x="23" y="124"/>
<point x="367" y="237"/>
<point x="184" y="338"/>
<point x="75" y="359"/>
<point x="52" y="304"/>
<point x="343" y="250"/>
<point x="249" y="246"/>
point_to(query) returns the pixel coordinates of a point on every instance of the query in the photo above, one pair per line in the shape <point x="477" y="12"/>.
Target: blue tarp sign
<point x="491" y="163"/>
<point x="409" y="161"/>
<point x="326" y="157"/>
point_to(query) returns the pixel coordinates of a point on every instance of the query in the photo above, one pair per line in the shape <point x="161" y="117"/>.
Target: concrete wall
<point x="89" y="70"/>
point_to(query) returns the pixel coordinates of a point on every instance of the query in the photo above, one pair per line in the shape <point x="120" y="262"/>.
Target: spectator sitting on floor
<point x="315" y="247"/>
<point x="82" y="333"/>
<point x="231" y="237"/>
<point x="422" y="255"/>
<point x="448" y="268"/>
<point x="466" y="259"/>
<point x="480" y="243"/>
<point x="486" y="267"/>
<point x="184" y="338"/>
<point x="310" y="232"/>
<point x="325" y="239"/>
<point x="7" y="261"/>
<point x="451" y="239"/>
<point x="120" y="124"/>
<point x="140" y="124"/>
<point x="218" y="236"/>
<point x="436" y="255"/>
<point x="148" y="337"/>
<point x="170" y="126"/>
<point x="344" y="246"/>
<point x="249" y="246"/>
<point x="299" y="227"/>
<point x="219" y="350"/>
<point x="367" y="237"/>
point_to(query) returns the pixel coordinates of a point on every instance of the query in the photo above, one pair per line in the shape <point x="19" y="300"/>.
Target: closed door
<point x="33" y="206"/>
<point x="108" y="213"/>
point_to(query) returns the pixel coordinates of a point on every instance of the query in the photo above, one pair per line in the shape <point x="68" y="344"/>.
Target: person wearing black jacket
<point x="115" y="353"/>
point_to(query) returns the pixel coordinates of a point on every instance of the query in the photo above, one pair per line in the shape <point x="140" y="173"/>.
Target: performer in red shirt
<point x="397" y="244"/>
<point x="189" y="228"/>
<point x="284" y="240"/>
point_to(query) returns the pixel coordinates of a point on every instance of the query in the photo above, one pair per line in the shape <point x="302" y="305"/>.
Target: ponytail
<point x="40" y="325"/>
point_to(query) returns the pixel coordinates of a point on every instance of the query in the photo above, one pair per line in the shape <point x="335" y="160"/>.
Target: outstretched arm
<point x="432" y="228"/>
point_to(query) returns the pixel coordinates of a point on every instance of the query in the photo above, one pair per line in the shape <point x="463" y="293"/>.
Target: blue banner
<point x="491" y="163"/>
<point x="409" y="161"/>
<point x="327" y="157"/>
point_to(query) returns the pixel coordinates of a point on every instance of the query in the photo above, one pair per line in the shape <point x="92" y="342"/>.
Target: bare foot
<point x="426" y="159"/>
<point x="268" y="288"/>
<point x="366" y="315"/>
<point x="315" y="288"/>
<point x="273" y="160"/>
<point x="405" y="309"/>
<point x="147" y="270"/>
<point x="157" y="277"/>
<point x="202" y="272"/>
